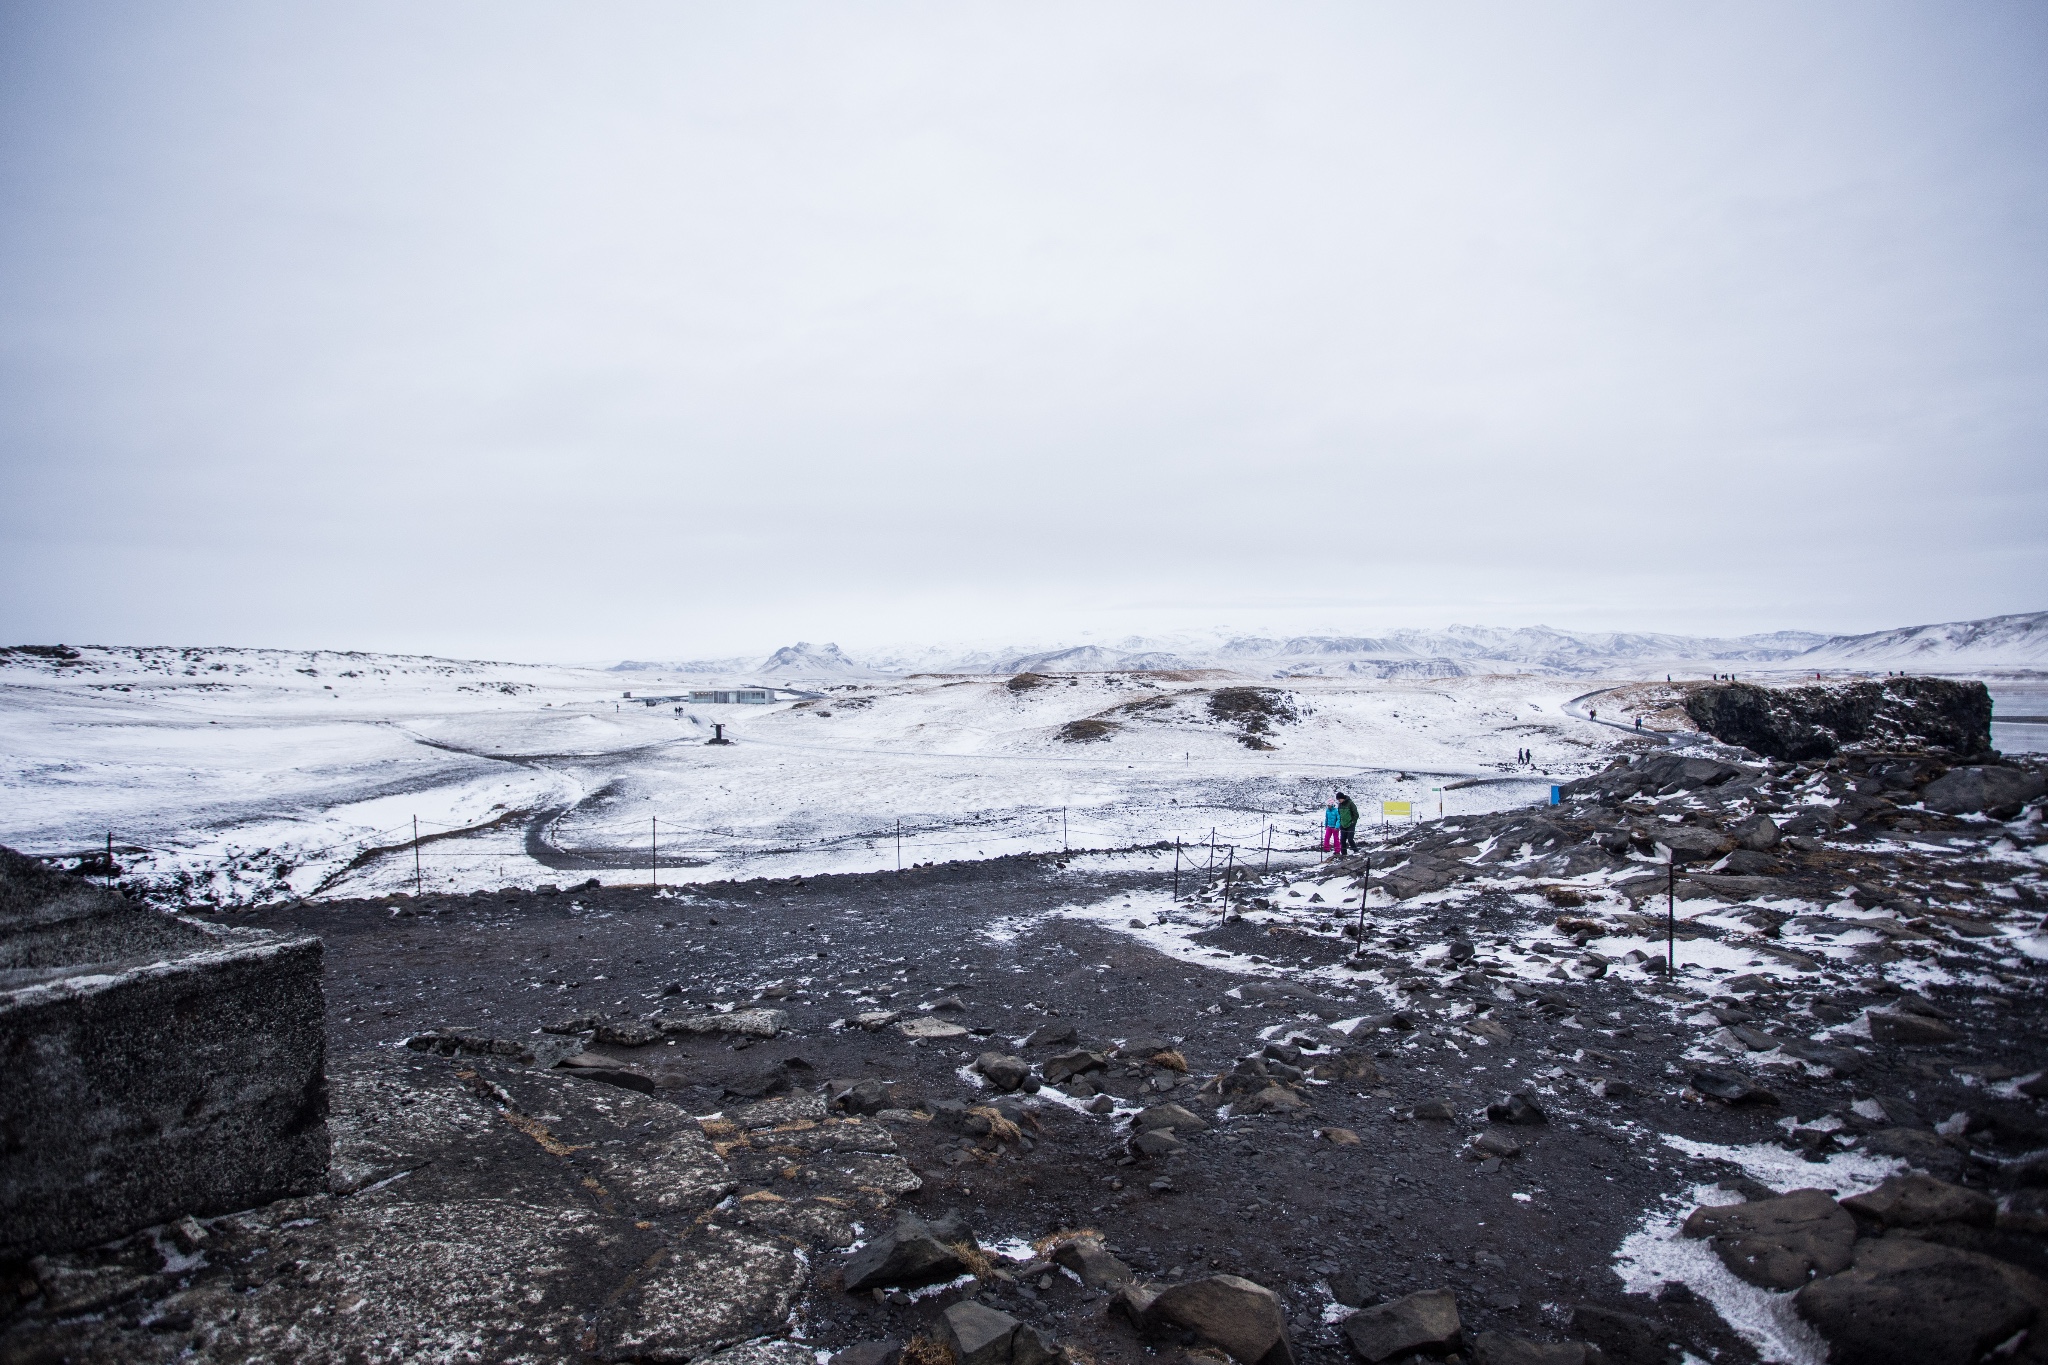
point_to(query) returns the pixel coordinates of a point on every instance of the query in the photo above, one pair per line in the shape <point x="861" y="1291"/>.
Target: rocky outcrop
<point x="1794" y="724"/>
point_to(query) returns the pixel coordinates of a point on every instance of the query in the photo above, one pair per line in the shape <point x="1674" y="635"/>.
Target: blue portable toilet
<point x="1556" y="796"/>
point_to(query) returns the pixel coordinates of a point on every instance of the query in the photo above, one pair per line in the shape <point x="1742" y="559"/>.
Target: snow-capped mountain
<point x="1455" y="652"/>
<point x="1998" y="642"/>
<point x="804" y="659"/>
<point x="2018" y="641"/>
<point x="1459" y="651"/>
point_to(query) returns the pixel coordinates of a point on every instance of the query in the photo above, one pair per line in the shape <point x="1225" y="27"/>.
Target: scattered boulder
<point x="1691" y="843"/>
<point x="1918" y="1201"/>
<point x="1173" y="1118"/>
<point x="1274" y="1099"/>
<point x="1519" y="1107"/>
<point x="1439" y="1111"/>
<point x="1033" y="1347"/>
<point x="1348" y="1065"/>
<point x="1067" y="1065"/>
<point x="1492" y="1144"/>
<point x="1244" y="1318"/>
<point x="1900" y="1029"/>
<point x="1753" y="1039"/>
<point x="885" y="1352"/>
<point x="1053" y="1033"/>
<point x="1780" y="1243"/>
<point x="1425" y="1322"/>
<point x="868" y="1095"/>
<point x="1910" y="1302"/>
<point x="1157" y="1142"/>
<point x="907" y="1254"/>
<point x="978" y="1334"/>
<point x="1728" y="1087"/>
<point x="1004" y="1072"/>
<point x="1088" y="1258"/>
<point x="1758" y="834"/>
<point x="1490" y="1029"/>
<point x="1998" y="792"/>
<point x="1349" y="1288"/>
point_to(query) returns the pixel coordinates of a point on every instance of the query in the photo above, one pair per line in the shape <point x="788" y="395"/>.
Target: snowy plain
<point x="245" y="777"/>
<point x="242" y="777"/>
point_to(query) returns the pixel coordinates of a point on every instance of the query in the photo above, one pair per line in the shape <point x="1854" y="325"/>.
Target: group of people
<point x="1527" y="756"/>
<point x="1340" y="826"/>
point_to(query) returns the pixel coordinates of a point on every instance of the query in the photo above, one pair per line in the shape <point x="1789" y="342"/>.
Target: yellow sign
<point x="1397" y="808"/>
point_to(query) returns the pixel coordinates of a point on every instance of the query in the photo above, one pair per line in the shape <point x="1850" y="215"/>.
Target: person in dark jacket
<point x="1347" y="822"/>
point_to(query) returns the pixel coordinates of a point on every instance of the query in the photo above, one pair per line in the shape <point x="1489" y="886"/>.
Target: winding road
<point x="1577" y="709"/>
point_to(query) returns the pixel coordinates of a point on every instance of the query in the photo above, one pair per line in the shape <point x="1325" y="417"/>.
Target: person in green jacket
<point x="1347" y="823"/>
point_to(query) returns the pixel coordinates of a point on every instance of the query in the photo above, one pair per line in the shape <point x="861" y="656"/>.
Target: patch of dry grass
<point x="978" y="1262"/>
<point x="999" y="1127"/>
<point x="923" y="1350"/>
<point x="1044" y="1246"/>
<point x="1171" y="1060"/>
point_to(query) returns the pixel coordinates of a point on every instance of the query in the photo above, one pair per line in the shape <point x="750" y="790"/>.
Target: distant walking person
<point x="1347" y="824"/>
<point x="1333" y="842"/>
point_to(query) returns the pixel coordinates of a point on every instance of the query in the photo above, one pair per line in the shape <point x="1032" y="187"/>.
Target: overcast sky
<point x="583" y="330"/>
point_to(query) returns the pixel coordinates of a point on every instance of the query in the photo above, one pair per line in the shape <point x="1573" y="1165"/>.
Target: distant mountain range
<point x="1960" y="646"/>
<point x="2019" y="641"/>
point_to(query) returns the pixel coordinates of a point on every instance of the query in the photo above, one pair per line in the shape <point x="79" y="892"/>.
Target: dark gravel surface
<point x="1271" y="1197"/>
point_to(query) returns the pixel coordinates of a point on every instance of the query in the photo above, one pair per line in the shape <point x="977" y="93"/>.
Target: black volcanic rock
<point x="1799" y="723"/>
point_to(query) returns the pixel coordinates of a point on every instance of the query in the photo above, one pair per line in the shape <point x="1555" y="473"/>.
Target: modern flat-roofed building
<point x="745" y="695"/>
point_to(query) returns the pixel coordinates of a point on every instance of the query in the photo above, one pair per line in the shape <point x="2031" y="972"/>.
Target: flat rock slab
<point x="719" y="1287"/>
<point x="1778" y="1243"/>
<point x="796" y="1108"/>
<point x="743" y="1023"/>
<point x="927" y="1027"/>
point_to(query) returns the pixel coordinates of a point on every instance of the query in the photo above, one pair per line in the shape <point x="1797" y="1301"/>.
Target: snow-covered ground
<point x="244" y="776"/>
<point x="248" y="776"/>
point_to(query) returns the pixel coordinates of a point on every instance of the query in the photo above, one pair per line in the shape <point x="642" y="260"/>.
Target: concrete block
<point x="151" y="1066"/>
